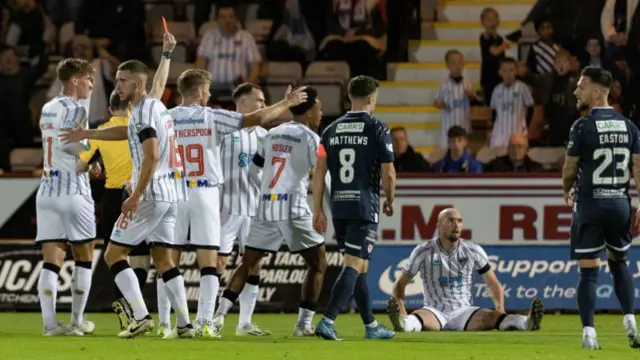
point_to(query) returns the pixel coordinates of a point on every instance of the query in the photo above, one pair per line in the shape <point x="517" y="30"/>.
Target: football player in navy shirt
<point x="356" y="150"/>
<point x="596" y="184"/>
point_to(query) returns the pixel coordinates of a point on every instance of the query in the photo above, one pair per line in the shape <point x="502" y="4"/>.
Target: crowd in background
<point x="567" y="36"/>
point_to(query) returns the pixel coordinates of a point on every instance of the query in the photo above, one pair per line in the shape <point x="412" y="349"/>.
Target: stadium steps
<point x="463" y="10"/>
<point x="409" y="93"/>
<point x="462" y="30"/>
<point x="431" y="71"/>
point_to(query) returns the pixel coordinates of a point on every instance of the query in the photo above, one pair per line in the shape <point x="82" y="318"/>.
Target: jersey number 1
<point x="608" y="156"/>
<point x="48" y="148"/>
<point x="175" y="161"/>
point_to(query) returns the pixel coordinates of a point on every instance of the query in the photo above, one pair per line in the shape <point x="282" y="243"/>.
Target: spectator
<point x="543" y="52"/>
<point x="62" y="11"/>
<point x="358" y="35"/>
<point x="16" y="84"/>
<point x="290" y="39"/>
<point x="453" y="96"/>
<point x="560" y="107"/>
<point x="516" y="160"/>
<point x="592" y="55"/>
<point x="406" y="158"/>
<point x="120" y="21"/>
<point x="512" y="105"/>
<point x="229" y="53"/>
<point x="493" y="48"/>
<point x="105" y="64"/>
<point x="616" y="99"/>
<point x="30" y="30"/>
<point x="458" y="158"/>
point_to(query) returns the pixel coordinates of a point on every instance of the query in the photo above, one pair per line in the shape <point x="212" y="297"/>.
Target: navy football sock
<point x="341" y="292"/>
<point x="623" y="285"/>
<point x="363" y="300"/>
<point x="587" y="295"/>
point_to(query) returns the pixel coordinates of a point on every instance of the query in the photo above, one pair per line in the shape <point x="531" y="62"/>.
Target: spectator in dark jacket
<point x="406" y="158"/>
<point x="516" y="160"/>
<point x="458" y="158"/>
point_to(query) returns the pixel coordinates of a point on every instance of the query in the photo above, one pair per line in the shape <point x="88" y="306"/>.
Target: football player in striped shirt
<point x="240" y="199"/>
<point x="453" y="96"/>
<point x="512" y="105"/>
<point x="64" y="206"/>
<point x="287" y="155"/>
<point x="157" y="180"/>
<point x="447" y="267"/>
<point x="199" y="133"/>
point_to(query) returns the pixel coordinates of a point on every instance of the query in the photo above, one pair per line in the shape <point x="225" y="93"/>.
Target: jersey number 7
<point x="280" y="163"/>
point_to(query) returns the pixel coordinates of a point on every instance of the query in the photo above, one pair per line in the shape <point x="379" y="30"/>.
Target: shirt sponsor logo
<point x="198" y="183"/>
<point x="350" y="128"/>
<point x="244" y="159"/>
<point x="611" y="126"/>
<point x="275" y="197"/>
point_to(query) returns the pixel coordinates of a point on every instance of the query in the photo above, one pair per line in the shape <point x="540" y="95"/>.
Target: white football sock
<point x="247" y="298"/>
<point x="80" y="286"/>
<point x="412" y="324"/>
<point x="588" y="331"/>
<point x="209" y="285"/>
<point x="47" y="293"/>
<point x="513" y="322"/>
<point x="305" y="316"/>
<point x="629" y="322"/>
<point x="127" y="282"/>
<point x="224" y="307"/>
<point x="178" y="297"/>
<point x="164" y="305"/>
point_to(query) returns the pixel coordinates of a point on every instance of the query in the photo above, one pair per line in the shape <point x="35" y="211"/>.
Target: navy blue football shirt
<point x="356" y="144"/>
<point x="604" y="140"/>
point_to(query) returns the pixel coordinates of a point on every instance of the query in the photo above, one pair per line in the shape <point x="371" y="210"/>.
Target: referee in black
<point x="117" y="165"/>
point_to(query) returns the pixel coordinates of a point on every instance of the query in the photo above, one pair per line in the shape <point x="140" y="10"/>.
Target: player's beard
<point x="453" y="237"/>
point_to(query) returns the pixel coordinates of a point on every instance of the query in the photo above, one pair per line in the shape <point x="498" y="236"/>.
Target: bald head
<point x="450" y="224"/>
<point x="518" y="147"/>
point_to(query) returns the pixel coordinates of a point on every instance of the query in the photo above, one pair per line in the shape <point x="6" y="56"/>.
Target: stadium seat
<point x="176" y="69"/>
<point x="179" y="53"/>
<point x="67" y="31"/>
<point x="278" y="75"/>
<point x="259" y="29"/>
<point x="183" y="31"/>
<point x="549" y="157"/>
<point x="158" y="10"/>
<point x="206" y="27"/>
<point x="330" y="79"/>
<point x="486" y="154"/>
<point x="25" y="159"/>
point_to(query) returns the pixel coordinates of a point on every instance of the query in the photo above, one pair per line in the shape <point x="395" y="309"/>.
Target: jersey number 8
<point x="608" y="156"/>
<point x="347" y="159"/>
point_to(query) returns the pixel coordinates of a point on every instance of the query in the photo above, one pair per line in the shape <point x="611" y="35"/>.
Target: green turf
<point x="559" y="339"/>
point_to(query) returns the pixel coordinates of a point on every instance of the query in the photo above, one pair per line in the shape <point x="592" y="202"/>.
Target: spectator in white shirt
<point x="229" y="53"/>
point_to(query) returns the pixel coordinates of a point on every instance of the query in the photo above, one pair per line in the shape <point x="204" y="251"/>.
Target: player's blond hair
<point x="71" y="67"/>
<point x="193" y="79"/>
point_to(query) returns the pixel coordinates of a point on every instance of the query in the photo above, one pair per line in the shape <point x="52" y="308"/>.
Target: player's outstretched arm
<point x="496" y="290"/>
<point x="162" y="73"/>
<point x="114" y="133"/>
<point x="399" y="292"/>
<point x="268" y="114"/>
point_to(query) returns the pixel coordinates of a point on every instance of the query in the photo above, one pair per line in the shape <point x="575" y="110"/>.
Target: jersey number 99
<point x="347" y="159"/>
<point x="609" y="156"/>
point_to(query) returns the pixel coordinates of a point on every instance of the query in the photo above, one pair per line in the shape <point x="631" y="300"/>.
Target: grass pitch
<point x="20" y="338"/>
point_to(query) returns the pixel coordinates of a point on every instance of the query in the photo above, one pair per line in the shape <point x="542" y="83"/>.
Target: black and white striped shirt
<point x="240" y="193"/>
<point x="167" y="183"/>
<point x="543" y="57"/>
<point x="59" y="176"/>
<point x="457" y="106"/>
<point x="447" y="278"/>
<point x="289" y="152"/>
<point x="229" y="56"/>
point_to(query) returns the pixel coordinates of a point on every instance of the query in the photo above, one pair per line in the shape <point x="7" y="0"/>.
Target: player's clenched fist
<point x="387" y="208"/>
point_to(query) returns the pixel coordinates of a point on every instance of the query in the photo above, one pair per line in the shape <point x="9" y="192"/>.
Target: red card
<point x="164" y="22"/>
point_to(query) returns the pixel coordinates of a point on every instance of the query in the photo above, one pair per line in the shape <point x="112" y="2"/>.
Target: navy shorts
<point x="356" y="237"/>
<point x="596" y="227"/>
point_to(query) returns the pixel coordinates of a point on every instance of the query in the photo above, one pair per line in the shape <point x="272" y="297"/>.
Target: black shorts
<point x="112" y="200"/>
<point x="356" y="237"/>
<point x="596" y="227"/>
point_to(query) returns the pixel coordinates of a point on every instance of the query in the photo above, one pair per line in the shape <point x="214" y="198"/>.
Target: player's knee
<point x="255" y="269"/>
<point x="221" y="262"/>
<point x="589" y="263"/>
<point x="616" y="256"/>
<point x="83" y="252"/>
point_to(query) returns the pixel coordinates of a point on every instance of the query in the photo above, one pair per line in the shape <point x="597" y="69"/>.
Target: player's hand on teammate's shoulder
<point x="295" y="97"/>
<point x="319" y="222"/>
<point x="387" y="208"/>
<point x="72" y="135"/>
<point x="168" y="42"/>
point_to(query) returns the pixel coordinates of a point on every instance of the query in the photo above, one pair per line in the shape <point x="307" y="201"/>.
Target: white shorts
<point x="297" y="233"/>
<point x="234" y="226"/>
<point x="202" y="213"/>
<point x="457" y="320"/>
<point x="153" y="221"/>
<point x="71" y="218"/>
